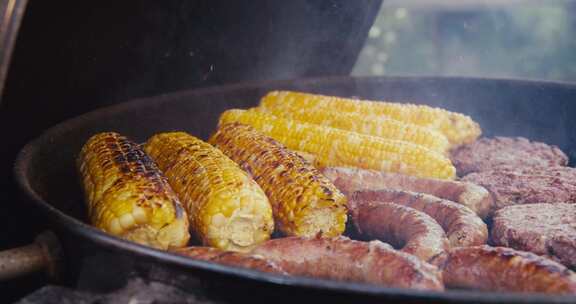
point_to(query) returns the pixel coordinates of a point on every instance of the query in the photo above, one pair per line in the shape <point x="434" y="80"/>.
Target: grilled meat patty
<point x="514" y="152"/>
<point x="528" y="186"/>
<point x="545" y="229"/>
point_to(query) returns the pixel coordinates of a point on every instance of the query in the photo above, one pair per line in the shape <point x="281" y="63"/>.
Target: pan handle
<point x="42" y="255"/>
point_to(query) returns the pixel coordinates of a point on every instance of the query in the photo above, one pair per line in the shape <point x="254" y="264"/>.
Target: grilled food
<point x="470" y="195"/>
<point x="414" y="231"/>
<point x="527" y="186"/>
<point x="462" y="226"/>
<point x="489" y="154"/>
<point x="504" y="269"/>
<point x="544" y="229"/>
<point x="230" y="258"/>
<point x="370" y="125"/>
<point x="458" y="128"/>
<point x="344" y="259"/>
<point x="305" y="203"/>
<point x="227" y="208"/>
<point x="127" y="195"/>
<point x="335" y="147"/>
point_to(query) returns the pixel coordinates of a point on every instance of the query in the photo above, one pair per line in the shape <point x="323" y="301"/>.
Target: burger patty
<point x="527" y="186"/>
<point x="544" y="229"/>
<point x="514" y="152"/>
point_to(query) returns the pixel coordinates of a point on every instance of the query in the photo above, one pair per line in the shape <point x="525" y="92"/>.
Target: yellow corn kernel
<point x="336" y="147"/>
<point x="227" y="208"/>
<point x="128" y="196"/>
<point x="367" y="124"/>
<point x="304" y="202"/>
<point x="458" y="128"/>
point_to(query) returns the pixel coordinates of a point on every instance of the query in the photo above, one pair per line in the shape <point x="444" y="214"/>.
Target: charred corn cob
<point x="458" y="128"/>
<point x="336" y="147"/>
<point x="128" y="196"/>
<point x="371" y="125"/>
<point x="304" y="202"/>
<point x="226" y="207"/>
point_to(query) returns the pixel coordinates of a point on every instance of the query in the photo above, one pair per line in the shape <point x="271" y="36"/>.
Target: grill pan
<point x="92" y="260"/>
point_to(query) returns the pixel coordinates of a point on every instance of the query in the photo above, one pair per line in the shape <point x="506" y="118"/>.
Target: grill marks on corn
<point x="305" y="202"/>
<point x="227" y="209"/>
<point x="127" y="195"/>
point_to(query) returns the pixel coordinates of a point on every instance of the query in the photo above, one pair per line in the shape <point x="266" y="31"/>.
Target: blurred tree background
<point x="511" y="39"/>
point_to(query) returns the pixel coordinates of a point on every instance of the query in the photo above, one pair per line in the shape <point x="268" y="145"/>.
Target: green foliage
<point x="524" y="41"/>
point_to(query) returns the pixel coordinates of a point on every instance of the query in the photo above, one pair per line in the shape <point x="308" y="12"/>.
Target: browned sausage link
<point x="348" y="260"/>
<point x="230" y="258"/>
<point x="505" y="269"/>
<point x="409" y="229"/>
<point x="468" y="194"/>
<point x="462" y="226"/>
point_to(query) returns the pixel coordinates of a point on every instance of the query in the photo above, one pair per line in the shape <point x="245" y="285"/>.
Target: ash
<point x="137" y="291"/>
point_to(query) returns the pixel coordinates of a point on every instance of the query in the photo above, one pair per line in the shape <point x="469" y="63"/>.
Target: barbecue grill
<point x="177" y="97"/>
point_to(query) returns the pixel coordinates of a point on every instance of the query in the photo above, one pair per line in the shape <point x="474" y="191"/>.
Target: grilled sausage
<point x="348" y="260"/>
<point x="505" y="269"/>
<point x="414" y="231"/>
<point x="462" y="226"/>
<point x="468" y="194"/>
<point x="230" y="258"/>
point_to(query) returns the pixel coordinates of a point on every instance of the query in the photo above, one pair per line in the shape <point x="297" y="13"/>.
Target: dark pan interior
<point x="537" y="110"/>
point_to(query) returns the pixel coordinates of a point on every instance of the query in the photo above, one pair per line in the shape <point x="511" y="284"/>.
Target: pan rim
<point x="78" y="227"/>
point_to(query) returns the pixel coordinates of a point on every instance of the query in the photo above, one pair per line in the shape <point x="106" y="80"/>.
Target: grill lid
<point x="11" y="12"/>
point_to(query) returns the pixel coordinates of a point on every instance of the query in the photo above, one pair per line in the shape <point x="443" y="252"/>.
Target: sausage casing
<point x="230" y="258"/>
<point x="505" y="269"/>
<point x="462" y="226"/>
<point x="348" y="260"/>
<point x="470" y="195"/>
<point x="414" y="231"/>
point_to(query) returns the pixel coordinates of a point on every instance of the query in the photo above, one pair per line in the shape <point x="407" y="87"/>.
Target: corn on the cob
<point x="127" y="195"/>
<point x="336" y="147"/>
<point x="367" y="124"/>
<point x="310" y="158"/>
<point x="227" y="208"/>
<point x="458" y="128"/>
<point x="304" y="202"/>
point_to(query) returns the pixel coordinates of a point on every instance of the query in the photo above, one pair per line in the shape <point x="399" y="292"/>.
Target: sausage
<point x="414" y="231"/>
<point x="505" y="269"/>
<point x="468" y="194"/>
<point x="344" y="259"/>
<point x="230" y="258"/>
<point x="462" y="226"/>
